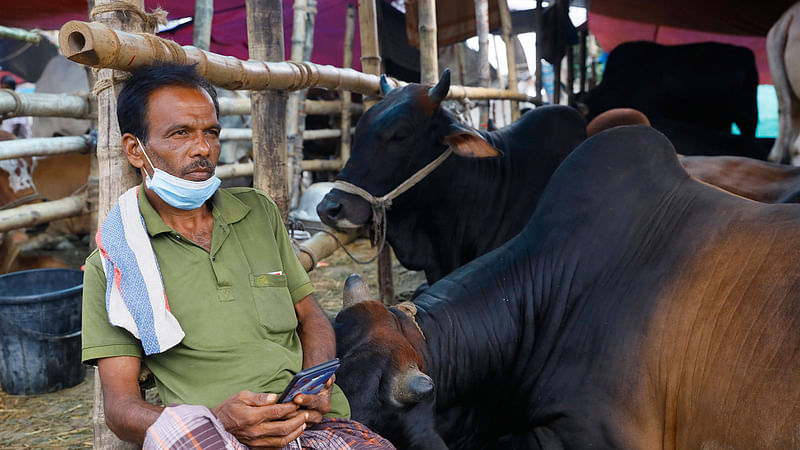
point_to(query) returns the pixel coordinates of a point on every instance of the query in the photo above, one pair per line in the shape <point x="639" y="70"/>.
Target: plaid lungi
<point x="195" y="427"/>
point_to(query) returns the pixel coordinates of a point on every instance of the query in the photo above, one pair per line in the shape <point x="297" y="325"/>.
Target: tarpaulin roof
<point x="742" y="22"/>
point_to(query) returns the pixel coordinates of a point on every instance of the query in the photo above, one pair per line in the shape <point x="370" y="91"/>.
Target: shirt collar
<point x="226" y="206"/>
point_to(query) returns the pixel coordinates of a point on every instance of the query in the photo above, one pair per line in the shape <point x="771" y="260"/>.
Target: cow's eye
<point x="400" y="135"/>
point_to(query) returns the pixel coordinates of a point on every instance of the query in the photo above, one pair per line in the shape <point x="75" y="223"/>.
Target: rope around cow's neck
<point x="380" y="205"/>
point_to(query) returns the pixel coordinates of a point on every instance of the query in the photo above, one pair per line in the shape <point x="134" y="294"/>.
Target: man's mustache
<point x="201" y="163"/>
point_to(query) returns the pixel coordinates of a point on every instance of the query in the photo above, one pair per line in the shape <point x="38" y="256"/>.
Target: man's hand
<point x="257" y="421"/>
<point x="317" y="405"/>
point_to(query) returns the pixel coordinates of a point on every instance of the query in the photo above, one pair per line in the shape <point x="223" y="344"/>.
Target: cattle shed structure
<point x="254" y="58"/>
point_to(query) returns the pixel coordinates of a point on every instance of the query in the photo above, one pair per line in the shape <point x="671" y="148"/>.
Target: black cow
<point x="709" y="84"/>
<point x="464" y="208"/>
<point x="638" y="309"/>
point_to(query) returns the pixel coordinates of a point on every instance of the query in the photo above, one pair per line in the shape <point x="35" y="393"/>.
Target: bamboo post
<point x="293" y="102"/>
<point x="115" y="173"/>
<point x="371" y="64"/>
<point x="582" y="60"/>
<point x="482" y="23"/>
<point x="538" y="71"/>
<point x="347" y="98"/>
<point x="268" y="113"/>
<point x="570" y="75"/>
<point x="203" y="16"/>
<point x="370" y="54"/>
<point x="59" y="105"/>
<point x="511" y="55"/>
<point x="428" y="46"/>
<point x="18" y="34"/>
<point x="320" y="246"/>
<point x="100" y="46"/>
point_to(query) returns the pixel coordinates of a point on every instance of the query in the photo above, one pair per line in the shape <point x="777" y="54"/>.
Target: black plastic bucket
<point x="40" y="330"/>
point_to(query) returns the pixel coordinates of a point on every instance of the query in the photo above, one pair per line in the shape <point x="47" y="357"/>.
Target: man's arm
<point x="316" y="332"/>
<point x="127" y="414"/>
<point x="319" y="345"/>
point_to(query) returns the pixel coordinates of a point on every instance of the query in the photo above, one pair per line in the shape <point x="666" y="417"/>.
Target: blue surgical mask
<point x="177" y="192"/>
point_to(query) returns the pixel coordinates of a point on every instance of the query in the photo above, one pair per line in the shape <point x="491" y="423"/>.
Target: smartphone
<point x="309" y="381"/>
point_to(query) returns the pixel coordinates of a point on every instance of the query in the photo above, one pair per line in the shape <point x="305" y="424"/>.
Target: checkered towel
<point x="135" y="297"/>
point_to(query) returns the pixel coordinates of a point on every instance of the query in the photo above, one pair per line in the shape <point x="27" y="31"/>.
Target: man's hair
<point x="9" y="81"/>
<point x="133" y="99"/>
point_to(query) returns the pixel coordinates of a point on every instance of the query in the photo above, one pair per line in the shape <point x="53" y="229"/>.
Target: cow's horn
<point x="385" y="86"/>
<point x="439" y="92"/>
<point x="355" y="291"/>
<point x="412" y="386"/>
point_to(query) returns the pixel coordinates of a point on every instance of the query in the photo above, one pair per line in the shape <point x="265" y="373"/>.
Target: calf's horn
<point x="439" y="92"/>
<point x="385" y="86"/>
<point x="412" y="386"/>
<point x="355" y="291"/>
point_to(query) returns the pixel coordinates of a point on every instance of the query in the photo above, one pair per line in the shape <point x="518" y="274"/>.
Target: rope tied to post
<point x="380" y="205"/>
<point x="17" y="105"/>
<point x="151" y="21"/>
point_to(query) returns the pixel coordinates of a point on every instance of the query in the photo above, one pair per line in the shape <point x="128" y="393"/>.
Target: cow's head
<point x="393" y="140"/>
<point x="382" y="355"/>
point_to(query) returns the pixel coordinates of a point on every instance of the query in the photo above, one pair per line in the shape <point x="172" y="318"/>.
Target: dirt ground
<point x="62" y="420"/>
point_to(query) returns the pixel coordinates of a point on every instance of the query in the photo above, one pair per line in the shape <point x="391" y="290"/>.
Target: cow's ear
<point x="468" y="143"/>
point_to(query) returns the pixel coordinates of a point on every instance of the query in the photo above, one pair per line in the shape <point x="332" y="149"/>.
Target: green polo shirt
<point x="234" y="303"/>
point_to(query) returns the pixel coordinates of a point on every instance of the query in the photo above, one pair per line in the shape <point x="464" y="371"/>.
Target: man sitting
<point x="202" y="285"/>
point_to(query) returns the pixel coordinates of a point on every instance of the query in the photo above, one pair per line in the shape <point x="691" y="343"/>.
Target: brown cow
<point x="637" y="309"/>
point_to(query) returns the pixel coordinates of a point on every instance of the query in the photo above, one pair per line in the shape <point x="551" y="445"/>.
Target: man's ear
<point x="132" y="150"/>
<point x="468" y="143"/>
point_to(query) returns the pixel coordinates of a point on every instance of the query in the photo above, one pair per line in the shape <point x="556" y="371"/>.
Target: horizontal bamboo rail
<point x="246" y="134"/>
<point x="58" y="105"/>
<point x="18" y="34"/>
<point x="78" y="106"/>
<point x="36" y="213"/>
<point x="321" y="245"/>
<point x="246" y="169"/>
<point x="97" y="45"/>
<point x="21" y="148"/>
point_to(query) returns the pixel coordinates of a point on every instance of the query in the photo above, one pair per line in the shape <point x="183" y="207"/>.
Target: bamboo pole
<point x="100" y="46"/>
<point x="482" y="24"/>
<point x="246" y="134"/>
<point x="370" y="53"/>
<point x="21" y="148"/>
<point x="52" y="105"/>
<point x="114" y="172"/>
<point x="428" y="46"/>
<point x="347" y="98"/>
<point x="36" y="213"/>
<point x="511" y="54"/>
<point x="321" y="245"/>
<point x="293" y="103"/>
<point x="582" y="60"/>
<point x="570" y="75"/>
<point x="203" y="16"/>
<point x="79" y="106"/>
<point x="268" y="113"/>
<point x="538" y="70"/>
<point x="18" y="34"/>
<point x="246" y="169"/>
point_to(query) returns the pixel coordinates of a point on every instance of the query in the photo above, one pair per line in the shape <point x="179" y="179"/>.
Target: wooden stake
<point x="370" y="54"/>
<point x="582" y="60"/>
<point x="203" y="16"/>
<point x="428" y="46"/>
<point x="268" y="113"/>
<point x="511" y="54"/>
<point x="347" y="62"/>
<point x="538" y="71"/>
<point x="482" y="24"/>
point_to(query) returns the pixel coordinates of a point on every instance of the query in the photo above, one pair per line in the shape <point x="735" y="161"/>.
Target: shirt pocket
<point x="273" y="302"/>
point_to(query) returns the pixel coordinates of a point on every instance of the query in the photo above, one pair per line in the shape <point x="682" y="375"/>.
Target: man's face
<point x="184" y="133"/>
